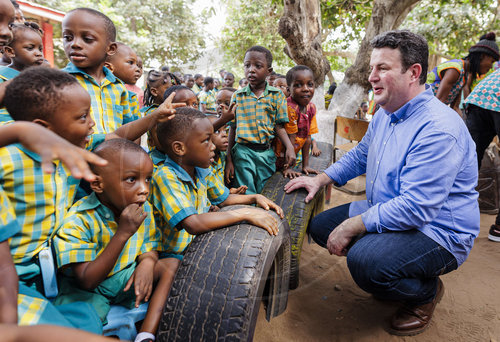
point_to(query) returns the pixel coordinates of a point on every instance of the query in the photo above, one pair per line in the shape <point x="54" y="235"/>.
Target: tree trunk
<point x="386" y="15"/>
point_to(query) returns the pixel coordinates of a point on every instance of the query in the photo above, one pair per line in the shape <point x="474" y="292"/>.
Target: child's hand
<point x="229" y="171"/>
<point x="315" y="150"/>
<point x="290" y="173"/>
<point x="260" y="219"/>
<point x="131" y="219"/>
<point x="142" y="279"/>
<point x="166" y="110"/>
<point x="267" y="204"/>
<point x="239" y="191"/>
<point x="308" y="170"/>
<point x="290" y="158"/>
<point x="213" y="209"/>
<point x="227" y="114"/>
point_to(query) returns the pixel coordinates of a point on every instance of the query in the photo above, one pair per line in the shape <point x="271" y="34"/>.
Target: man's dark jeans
<point x="400" y="266"/>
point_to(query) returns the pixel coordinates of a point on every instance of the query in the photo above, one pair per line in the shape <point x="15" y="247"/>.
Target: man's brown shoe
<point x="412" y="320"/>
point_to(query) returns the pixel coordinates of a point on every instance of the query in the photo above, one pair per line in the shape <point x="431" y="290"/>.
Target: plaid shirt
<point x="8" y="221"/>
<point x="40" y="200"/>
<point x="487" y="93"/>
<point x="88" y="228"/>
<point x="208" y="98"/>
<point x="217" y="169"/>
<point x="6" y="74"/>
<point x="157" y="157"/>
<point x="110" y="107"/>
<point x="256" y="117"/>
<point x="30" y="309"/>
<point x="134" y="105"/>
<point x="175" y="196"/>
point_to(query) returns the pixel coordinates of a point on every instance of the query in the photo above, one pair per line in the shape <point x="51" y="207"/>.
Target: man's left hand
<point x="340" y="237"/>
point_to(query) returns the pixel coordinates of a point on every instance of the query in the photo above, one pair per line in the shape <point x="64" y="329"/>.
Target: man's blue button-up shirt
<point x="421" y="173"/>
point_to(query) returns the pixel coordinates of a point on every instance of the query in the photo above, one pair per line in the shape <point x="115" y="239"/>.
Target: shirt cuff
<point x="181" y="215"/>
<point x="221" y="198"/>
<point x="332" y="172"/>
<point x="371" y="219"/>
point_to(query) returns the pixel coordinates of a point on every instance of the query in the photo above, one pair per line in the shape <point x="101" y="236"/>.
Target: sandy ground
<point x="328" y="306"/>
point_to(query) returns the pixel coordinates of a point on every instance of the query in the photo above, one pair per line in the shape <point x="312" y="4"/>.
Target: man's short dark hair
<point x="109" y="26"/>
<point x="290" y="75"/>
<point x="266" y="52"/>
<point x="412" y="46"/>
<point x="36" y="93"/>
<point x="178" y="127"/>
<point x="208" y="80"/>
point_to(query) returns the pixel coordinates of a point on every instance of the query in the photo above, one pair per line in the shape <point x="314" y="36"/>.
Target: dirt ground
<point x="328" y="306"/>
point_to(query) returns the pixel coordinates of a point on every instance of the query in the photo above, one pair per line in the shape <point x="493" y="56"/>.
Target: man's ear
<point x="416" y="71"/>
<point x="109" y="66"/>
<point x="179" y="148"/>
<point x="96" y="185"/>
<point x="111" y="50"/>
<point x="9" y="51"/>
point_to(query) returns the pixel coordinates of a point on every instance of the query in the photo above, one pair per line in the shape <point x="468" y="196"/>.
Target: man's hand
<point x="312" y="185"/>
<point x="166" y="110"/>
<point x="341" y="237"/>
<point x="131" y="219"/>
<point x="142" y="279"/>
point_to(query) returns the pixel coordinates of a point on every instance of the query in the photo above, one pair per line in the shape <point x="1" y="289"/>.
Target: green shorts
<point x="109" y="292"/>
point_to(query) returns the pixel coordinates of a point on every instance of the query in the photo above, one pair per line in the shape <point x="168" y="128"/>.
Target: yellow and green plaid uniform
<point x="8" y="222"/>
<point x="88" y="228"/>
<point x="157" y="157"/>
<point x="208" y="98"/>
<point x="217" y="169"/>
<point x="6" y="74"/>
<point x="175" y="196"/>
<point x="196" y="88"/>
<point x="110" y="107"/>
<point x="256" y="118"/>
<point x="134" y="105"/>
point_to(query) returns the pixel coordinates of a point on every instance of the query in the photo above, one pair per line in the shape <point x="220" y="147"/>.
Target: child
<point x="89" y="38"/>
<point x="301" y="116"/>
<point x="56" y="100"/>
<point x="280" y="83"/>
<point x="207" y="97"/>
<point x="123" y="64"/>
<point x="180" y="190"/>
<point x="189" y="81"/>
<point x="228" y="80"/>
<point x="260" y="113"/>
<point x="243" y="83"/>
<point x="108" y="243"/>
<point x="198" y="83"/>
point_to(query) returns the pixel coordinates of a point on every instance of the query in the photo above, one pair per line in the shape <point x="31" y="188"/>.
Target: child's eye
<point x="148" y="179"/>
<point x="88" y="39"/>
<point x="67" y="37"/>
<point x="130" y="179"/>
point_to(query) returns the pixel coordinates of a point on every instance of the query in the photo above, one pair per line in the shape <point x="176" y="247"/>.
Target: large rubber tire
<point x="224" y="276"/>
<point x="297" y="212"/>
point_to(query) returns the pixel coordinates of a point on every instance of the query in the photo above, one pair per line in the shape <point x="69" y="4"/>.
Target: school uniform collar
<point x="92" y="202"/>
<point x="157" y="156"/>
<point x="36" y="157"/>
<point x="200" y="174"/>
<point x="247" y="91"/>
<point x="8" y="73"/>
<point x="72" y="69"/>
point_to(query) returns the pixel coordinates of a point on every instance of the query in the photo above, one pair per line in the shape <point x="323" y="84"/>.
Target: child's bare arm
<point x="305" y="158"/>
<point x="43" y="333"/>
<point x="285" y="140"/>
<point x="50" y="146"/>
<point x="91" y="274"/>
<point x="8" y="286"/>
<point x="227" y="114"/>
<point x="229" y="171"/>
<point x="143" y="277"/>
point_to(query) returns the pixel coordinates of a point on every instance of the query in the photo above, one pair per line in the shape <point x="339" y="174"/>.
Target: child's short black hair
<point x="154" y="80"/>
<point x="290" y="75"/>
<point x="178" y="127"/>
<point x="228" y="89"/>
<point x="26" y="26"/>
<point x="176" y="88"/>
<point x="115" y="146"/>
<point x="196" y="76"/>
<point x="108" y="23"/>
<point x="240" y="82"/>
<point x="36" y="92"/>
<point x="229" y="74"/>
<point x="208" y="80"/>
<point x="266" y="52"/>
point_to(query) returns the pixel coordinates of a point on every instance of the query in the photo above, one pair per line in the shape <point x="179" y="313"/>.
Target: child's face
<point x="199" y="146"/>
<point x="140" y="65"/>
<point x="229" y="80"/>
<point x="270" y="79"/>
<point x="280" y="83"/>
<point x="19" y="16"/>
<point x="27" y="49"/>
<point x="216" y="84"/>
<point x="186" y="96"/>
<point x="243" y="82"/>
<point x="85" y="41"/>
<point x="210" y="86"/>
<point x="7" y="14"/>
<point x="219" y="138"/>
<point x="199" y="81"/>
<point x="224" y="99"/>
<point x="159" y="90"/>
<point x="125" y="180"/>
<point x="256" y="68"/>
<point x="124" y="64"/>
<point x="71" y="119"/>
<point x="189" y="82"/>
<point x="302" y="88"/>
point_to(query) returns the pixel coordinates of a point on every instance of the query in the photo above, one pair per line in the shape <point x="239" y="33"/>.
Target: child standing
<point x="180" y="190"/>
<point x="89" y="38"/>
<point x="198" y="83"/>
<point x="207" y="97"/>
<point x="301" y="116"/>
<point x="261" y="111"/>
<point x="108" y="242"/>
<point x="280" y="83"/>
<point x="228" y="80"/>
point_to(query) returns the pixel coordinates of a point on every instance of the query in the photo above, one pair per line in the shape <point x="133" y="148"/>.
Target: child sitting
<point x="260" y="114"/>
<point x="302" y="118"/>
<point x="207" y="97"/>
<point x="180" y="189"/>
<point x="88" y="39"/>
<point x="123" y="64"/>
<point x="280" y="83"/>
<point x="108" y="243"/>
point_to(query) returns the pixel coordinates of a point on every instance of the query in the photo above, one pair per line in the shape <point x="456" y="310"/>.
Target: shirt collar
<point x="72" y="69"/>
<point x="410" y="107"/>
<point x="267" y="90"/>
<point x="157" y="156"/>
<point x="36" y="157"/>
<point x="200" y="174"/>
<point x="8" y="73"/>
<point x="92" y="202"/>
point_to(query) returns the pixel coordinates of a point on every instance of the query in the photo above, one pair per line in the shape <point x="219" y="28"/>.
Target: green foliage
<point x="161" y="32"/>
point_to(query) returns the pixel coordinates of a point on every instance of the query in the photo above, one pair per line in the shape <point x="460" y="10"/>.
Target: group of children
<point x="118" y="236"/>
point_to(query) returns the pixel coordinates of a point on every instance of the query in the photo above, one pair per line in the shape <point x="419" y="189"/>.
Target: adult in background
<point x="421" y="216"/>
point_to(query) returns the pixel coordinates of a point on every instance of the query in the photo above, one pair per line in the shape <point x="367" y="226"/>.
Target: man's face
<point x="391" y="86"/>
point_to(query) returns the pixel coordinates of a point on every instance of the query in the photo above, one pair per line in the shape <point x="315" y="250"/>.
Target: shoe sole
<point x="419" y="330"/>
<point x="493" y="238"/>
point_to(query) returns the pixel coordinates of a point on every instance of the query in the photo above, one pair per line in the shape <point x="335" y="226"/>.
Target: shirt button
<point x="107" y="215"/>
<point x="371" y="182"/>
<point x="401" y="120"/>
<point x="392" y="124"/>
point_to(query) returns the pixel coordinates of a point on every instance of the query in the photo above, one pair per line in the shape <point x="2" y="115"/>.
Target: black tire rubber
<point x="224" y="276"/>
<point x="297" y="212"/>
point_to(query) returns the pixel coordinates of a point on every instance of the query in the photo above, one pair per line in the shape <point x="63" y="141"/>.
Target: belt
<point x="257" y="147"/>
